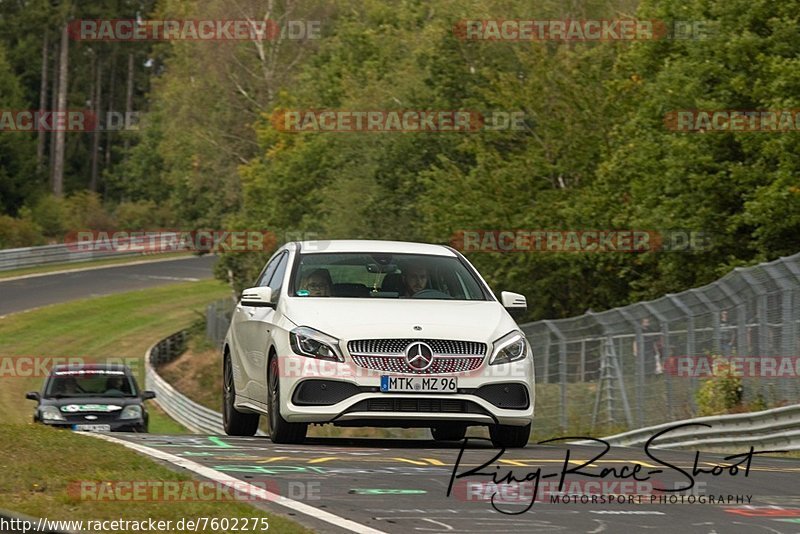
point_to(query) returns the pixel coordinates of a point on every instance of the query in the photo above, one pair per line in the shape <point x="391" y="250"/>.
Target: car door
<point x="255" y="325"/>
<point x="238" y="331"/>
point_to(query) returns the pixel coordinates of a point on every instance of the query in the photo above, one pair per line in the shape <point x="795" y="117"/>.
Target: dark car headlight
<point x="509" y="348"/>
<point x="315" y="344"/>
<point x="132" y="411"/>
<point x="50" y="413"/>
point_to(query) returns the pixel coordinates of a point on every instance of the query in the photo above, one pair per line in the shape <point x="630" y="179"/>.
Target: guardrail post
<point x="690" y="348"/>
<point x="788" y="338"/>
<point x="562" y="372"/>
<point x="640" y="358"/>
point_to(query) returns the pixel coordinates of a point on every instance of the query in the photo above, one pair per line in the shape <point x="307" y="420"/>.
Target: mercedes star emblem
<point x="419" y="356"/>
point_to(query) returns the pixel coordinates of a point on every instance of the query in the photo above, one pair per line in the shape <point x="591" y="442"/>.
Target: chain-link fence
<point x="218" y="318"/>
<point x="642" y="364"/>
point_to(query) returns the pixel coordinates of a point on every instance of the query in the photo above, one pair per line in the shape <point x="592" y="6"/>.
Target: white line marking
<point x="176" y="278"/>
<point x="96" y="267"/>
<point x="241" y="485"/>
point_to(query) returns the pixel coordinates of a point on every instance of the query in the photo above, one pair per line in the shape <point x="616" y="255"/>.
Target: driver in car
<point x="415" y="279"/>
<point x="114" y="386"/>
<point x="317" y="283"/>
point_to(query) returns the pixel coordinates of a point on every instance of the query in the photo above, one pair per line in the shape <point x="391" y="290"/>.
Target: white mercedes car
<point x="376" y="333"/>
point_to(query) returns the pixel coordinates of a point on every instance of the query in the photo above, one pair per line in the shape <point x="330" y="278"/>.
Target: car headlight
<point x="133" y="411"/>
<point x="315" y="344"/>
<point x="50" y="413"/>
<point x="509" y="348"/>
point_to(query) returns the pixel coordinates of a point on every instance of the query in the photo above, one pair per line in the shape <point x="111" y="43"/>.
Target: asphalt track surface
<point x="400" y="486"/>
<point x="34" y="292"/>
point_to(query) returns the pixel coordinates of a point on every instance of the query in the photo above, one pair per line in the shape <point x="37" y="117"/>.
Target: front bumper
<point x="132" y="425"/>
<point x="344" y="394"/>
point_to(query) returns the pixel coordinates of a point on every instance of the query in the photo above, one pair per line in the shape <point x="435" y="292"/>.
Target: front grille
<point x="449" y="356"/>
<point x="102" y="418"/>
<point x="397" y="404"/>
<point x="444" y="347"/>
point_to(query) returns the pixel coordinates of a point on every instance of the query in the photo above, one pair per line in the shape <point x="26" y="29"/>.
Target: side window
<point x="276" y="282"/>
<point x="266" y="274"/>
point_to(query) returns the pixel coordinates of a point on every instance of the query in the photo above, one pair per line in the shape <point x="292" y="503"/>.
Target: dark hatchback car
<point x="92" y="398"/>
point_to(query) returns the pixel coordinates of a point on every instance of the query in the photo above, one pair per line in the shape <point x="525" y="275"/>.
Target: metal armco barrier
<point x="17" y="258"/>
<point x="185" y="411"/>
<point x="776" y="429"/>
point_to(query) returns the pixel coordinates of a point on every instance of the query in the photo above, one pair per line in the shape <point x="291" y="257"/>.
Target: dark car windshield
<point x="391" y="276"/>
<point x="90" y="383"/>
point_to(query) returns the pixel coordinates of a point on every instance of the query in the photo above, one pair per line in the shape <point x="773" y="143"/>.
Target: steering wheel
<point x="430" y="294"/>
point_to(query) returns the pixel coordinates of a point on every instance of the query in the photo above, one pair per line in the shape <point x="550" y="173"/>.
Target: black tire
<point x="510" y="437"/>
<point x="235" y="422"/>
<point x="448" y="432"/>
<point x="280" y="430"/>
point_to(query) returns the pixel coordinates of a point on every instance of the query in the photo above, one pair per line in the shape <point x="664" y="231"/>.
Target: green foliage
<point x="50" y="214"/>
<point x="50" y="219"/>
<point x="17" y="150"/>
<point x="143" y="214"/>
<point x="722" y="392"/>
<point x="16" y="233"/>
<point x="594" y="152"/>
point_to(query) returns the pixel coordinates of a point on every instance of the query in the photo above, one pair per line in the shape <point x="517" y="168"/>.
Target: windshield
<point x="90" y="383"/>
<point x="391" y="276"/>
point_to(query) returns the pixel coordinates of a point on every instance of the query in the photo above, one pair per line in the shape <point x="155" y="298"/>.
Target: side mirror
<point x="147" y="395"/>
<point x="257" y="296"/>
<point x="515" y="303"/>
<point x="33" y="395"/>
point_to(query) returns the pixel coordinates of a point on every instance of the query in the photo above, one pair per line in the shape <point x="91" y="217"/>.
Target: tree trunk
<point x="129" y="100"/>
<point x="53" y="106"/>
<point x="40" y="145"/>
<point x="63" y="68"/>
<point x="97" y="109"/>
<point x="110" y="108"/>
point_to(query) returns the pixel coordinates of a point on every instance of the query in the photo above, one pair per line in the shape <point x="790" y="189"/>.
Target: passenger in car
<point x="415" y="279"/>
<point x="318" y="283"/>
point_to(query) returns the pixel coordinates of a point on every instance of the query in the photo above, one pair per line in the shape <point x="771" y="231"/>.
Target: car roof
<point x="374" y="246"/>
<point x="91" y="367"/>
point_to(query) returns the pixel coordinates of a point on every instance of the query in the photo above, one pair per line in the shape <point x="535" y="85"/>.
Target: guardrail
<point x="776" y="429"/>
<point x="17" y="258"/>
<point x="179" y="407"/>
<point x="78" y="251"/>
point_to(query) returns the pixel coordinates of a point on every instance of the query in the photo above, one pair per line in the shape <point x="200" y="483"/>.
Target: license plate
<point x="418" y="384"/>
<point x="92" y="428"/>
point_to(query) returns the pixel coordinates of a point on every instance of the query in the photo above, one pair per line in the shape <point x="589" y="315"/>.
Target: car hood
<point x="348" y="318"/>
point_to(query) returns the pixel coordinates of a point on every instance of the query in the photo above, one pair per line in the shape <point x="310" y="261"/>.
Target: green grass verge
<point x="119" y="326"/>
<point x="40" y="467"/>
<point x="52" y="267"/>
<point x="37" y="463"/>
